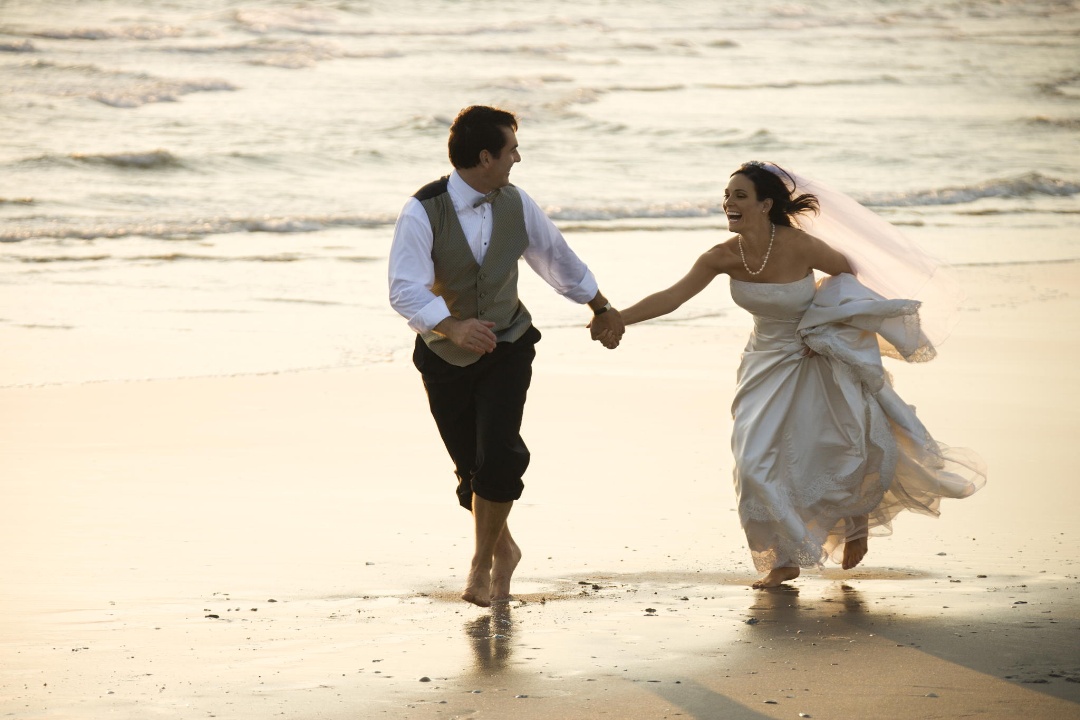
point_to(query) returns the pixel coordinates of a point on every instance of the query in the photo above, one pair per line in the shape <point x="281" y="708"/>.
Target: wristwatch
<point x="601" y="311"/>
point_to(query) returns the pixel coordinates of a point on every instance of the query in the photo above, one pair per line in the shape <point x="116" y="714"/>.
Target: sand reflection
<point x="777" y="604"/>
<point x="783" y="604"/>
<point x="491" y="636"/>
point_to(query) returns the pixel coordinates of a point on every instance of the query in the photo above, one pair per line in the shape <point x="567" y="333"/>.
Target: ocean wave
<point x="149" y="160"/>
<point x="177" y="257"/>
<point x="297" y="19"/>
<point x="116" y="88"/>
<point x="760" y="139"/>
<point x="788" y="84"/>
<point x="1025" y="185"/>
<point x="163" y="257"/>
<point x="342" y="23"/>
<point x="130" y="32"/>
<point x="1011" y="263"/>
<point x="155" y="90"/>
<point x="667" y="211"/>
<point x="17" y="46"/>
<point x="152" y="160"/>
<point x="286" y="54"/>
<point x="1028" y="185"/>
<point x="669" y="87"/>
<point x="84" y="229"/>
<point x="1066" y="123"/>
<point x="1017" y="211"/>
<point x="44" y="259"/>
<point x="581" y="219"/>
<point x="1068" y="86"/>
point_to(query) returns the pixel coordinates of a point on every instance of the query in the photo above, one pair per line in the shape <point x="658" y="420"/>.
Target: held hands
<point x="607" y="328"/>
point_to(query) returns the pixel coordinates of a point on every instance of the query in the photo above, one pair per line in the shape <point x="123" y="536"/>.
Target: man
<point x="453" y="274"/>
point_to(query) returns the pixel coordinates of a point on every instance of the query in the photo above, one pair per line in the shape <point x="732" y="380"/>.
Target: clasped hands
<point x="607" y="328"/>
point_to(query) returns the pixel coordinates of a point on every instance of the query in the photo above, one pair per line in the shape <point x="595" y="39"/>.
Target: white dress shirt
<point x="412" y="271"/>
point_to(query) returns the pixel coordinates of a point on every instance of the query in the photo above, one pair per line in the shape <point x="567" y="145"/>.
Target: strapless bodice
<point x="777" y="308"/>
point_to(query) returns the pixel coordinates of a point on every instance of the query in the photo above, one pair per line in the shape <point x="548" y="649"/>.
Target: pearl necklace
<point x="772" y="236"/>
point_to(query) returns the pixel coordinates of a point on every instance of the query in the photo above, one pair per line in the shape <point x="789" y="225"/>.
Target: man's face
<point x="498" y="170"/>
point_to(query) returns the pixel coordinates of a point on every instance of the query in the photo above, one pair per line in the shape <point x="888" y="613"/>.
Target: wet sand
<point x="288" y="545"/>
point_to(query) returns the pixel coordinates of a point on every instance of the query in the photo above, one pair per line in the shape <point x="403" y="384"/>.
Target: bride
<point x="826" y="453"/>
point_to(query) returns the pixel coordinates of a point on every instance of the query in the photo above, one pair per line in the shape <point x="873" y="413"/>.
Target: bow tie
<point x="490" y="197"/>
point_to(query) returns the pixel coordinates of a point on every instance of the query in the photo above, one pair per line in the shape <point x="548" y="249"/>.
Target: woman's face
<point x="741" y="204"/>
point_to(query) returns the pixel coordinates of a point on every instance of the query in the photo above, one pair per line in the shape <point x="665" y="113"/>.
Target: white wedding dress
<point x="821" y="441"/>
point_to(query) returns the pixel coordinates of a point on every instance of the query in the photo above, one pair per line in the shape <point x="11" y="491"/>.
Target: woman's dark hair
<point x="475" y="129"/>
<point x="767" y="184"/>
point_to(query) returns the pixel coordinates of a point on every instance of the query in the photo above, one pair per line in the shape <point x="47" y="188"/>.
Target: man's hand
<point x="607" y="328"/>
<point x="472" y="334"/>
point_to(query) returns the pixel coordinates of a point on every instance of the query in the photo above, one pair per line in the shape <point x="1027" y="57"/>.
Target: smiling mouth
<point x="734" y="216"/>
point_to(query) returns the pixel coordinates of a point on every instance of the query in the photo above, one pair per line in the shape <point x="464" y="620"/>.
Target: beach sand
<point x="287" y="545"/>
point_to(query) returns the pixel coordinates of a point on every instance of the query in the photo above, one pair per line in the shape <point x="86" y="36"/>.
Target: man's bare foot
<point x="776" y="577"/>
<point x="489" y="518"/>
<point x="854" y="552"/>
<point x="507" y="557"/>
<point x="478" y="588"/>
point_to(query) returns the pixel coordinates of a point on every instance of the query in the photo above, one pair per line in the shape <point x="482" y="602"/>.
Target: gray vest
<point x="487" y="291"/>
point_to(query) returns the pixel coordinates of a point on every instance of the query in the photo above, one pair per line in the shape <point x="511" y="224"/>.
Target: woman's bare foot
<point x="776" y="577"/>
<point x="478" y="587"/>
<point x="854" y="552"/>
<point x="507" y="557"/>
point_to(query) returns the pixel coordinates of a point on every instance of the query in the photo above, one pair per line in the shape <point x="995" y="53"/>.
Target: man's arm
<point x="411" y="272"/>
<point x="411" y="276"/>
<point x="552" y="259"/>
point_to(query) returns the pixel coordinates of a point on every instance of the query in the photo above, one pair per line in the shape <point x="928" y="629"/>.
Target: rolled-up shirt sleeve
<point x="551" y="257"/>
<point x="412" y="272"/>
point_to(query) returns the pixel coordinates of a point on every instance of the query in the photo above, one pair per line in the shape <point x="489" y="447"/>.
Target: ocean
<point x="194" y="188"/>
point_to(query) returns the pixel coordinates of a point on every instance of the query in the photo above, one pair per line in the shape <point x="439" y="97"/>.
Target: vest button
<point x="483" y="295"/>
<point x="481" y="312"/>
<point x="483" y="276"/>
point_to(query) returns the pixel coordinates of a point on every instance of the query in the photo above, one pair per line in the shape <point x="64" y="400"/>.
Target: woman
<point x="825" y="452"/>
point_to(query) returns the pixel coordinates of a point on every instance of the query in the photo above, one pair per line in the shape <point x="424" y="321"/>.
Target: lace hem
<point x="925" y="472"/>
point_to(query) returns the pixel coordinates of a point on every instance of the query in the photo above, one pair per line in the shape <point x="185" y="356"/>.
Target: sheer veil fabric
<point x="884" y="259"/>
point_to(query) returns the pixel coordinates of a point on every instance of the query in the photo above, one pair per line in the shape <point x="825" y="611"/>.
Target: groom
<point x="454" y="276"/>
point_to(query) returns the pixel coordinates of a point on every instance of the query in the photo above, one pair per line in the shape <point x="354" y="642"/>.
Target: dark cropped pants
<point x="478" y="410"/>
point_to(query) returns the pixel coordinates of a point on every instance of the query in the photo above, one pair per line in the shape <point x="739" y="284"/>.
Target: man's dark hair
<point x="478" y="128"/>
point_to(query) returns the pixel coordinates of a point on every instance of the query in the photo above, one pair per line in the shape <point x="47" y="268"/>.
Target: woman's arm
<point x="707" y="267"/>
<point x="827" y="260"/>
